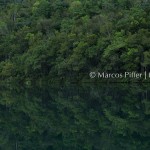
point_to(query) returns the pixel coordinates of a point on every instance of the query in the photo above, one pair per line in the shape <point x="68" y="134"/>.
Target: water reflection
<point x="103" y="117"/>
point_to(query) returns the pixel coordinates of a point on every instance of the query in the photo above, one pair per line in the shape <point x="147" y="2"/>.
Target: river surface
<point x="75" y="117"/>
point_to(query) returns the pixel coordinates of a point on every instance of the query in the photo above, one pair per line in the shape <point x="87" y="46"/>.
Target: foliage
<point x="70" y="37"/>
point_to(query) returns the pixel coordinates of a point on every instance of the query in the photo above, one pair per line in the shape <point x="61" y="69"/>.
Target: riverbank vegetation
<point x="65" y="39"/>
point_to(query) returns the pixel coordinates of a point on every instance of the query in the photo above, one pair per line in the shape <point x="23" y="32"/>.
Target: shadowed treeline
<point x="73" y="117"/>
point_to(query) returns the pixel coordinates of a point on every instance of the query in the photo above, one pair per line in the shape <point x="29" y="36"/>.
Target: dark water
<point x="75" y="117"/>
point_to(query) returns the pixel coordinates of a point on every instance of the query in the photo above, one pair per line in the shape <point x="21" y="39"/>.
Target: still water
<point x="75" y="117"/>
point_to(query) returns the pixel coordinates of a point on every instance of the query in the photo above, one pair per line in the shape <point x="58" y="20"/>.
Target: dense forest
<point x="64" y="39"/>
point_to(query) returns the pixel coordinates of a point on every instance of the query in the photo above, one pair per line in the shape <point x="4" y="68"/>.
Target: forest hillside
<point x="69" y="38"/>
